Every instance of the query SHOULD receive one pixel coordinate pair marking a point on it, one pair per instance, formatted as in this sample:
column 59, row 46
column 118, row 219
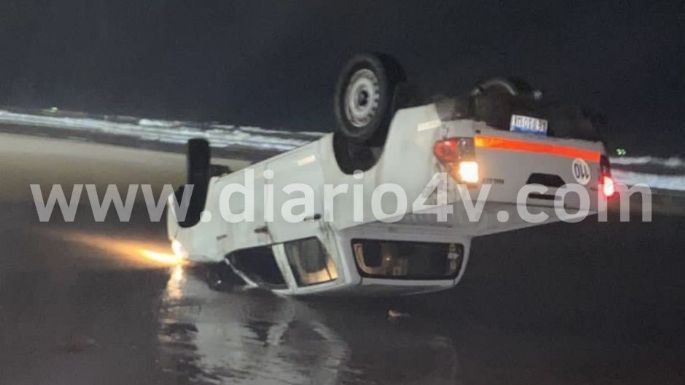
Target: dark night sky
column 274, row 63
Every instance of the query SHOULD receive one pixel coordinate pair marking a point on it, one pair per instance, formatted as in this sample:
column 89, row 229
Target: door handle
column 314, row 217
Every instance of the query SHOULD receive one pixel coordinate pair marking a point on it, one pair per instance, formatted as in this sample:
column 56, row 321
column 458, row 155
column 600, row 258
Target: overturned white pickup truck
column 389, row 203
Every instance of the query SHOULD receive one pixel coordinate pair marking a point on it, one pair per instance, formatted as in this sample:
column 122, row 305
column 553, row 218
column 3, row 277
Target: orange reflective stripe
column 497, row 143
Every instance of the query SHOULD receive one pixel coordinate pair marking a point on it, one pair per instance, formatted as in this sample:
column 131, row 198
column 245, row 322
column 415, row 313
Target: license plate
column 527, row 124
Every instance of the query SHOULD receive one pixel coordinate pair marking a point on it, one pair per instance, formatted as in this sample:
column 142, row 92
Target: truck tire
column 495, row 100
column 365, row 97
column 353, row 157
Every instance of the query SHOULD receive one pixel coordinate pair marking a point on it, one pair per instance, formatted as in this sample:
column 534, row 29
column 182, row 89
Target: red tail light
column 606, row 183
column 447, row 150
column 458, row 157
column 608, row 186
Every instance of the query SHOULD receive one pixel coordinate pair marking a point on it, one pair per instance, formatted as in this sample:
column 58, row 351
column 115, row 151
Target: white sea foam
column 672, row 162
column 666, row 182
column 222, row 136
column 170, row 131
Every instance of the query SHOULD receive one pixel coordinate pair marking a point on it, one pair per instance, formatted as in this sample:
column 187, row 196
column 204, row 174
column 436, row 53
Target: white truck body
column 506, row 161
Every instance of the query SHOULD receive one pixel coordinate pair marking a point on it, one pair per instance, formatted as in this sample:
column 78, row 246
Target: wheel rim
column 361, row 98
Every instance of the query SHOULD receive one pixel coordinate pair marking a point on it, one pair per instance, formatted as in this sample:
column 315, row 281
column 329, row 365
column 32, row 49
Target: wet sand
column 86, row 302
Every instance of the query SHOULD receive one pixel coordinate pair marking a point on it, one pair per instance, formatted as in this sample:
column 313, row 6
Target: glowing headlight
column 178, row 249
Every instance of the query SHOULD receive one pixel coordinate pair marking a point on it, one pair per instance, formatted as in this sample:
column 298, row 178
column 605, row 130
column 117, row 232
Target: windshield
column 407, row 260
column 259, row 264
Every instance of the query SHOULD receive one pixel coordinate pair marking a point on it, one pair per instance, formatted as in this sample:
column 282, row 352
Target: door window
column 311, row 264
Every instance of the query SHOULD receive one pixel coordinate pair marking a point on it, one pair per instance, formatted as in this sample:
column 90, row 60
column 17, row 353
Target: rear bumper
column 495, row 217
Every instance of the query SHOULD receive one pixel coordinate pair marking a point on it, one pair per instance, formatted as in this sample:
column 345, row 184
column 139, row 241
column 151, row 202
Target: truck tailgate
column 509, row 161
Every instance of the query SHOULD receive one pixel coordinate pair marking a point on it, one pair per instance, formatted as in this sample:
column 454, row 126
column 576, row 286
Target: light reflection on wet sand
column 254, row 337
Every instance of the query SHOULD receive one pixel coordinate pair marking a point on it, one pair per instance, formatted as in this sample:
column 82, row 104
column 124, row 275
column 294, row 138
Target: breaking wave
column 672, row 162
column 657, row 172
column 664, row 182
column 176, row 132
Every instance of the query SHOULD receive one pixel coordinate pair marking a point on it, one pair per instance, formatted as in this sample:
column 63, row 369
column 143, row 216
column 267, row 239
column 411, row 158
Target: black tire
column 575, row 122
column 365, row 97
column 495, row 100
column 511, row 86
column 198, row 173
column 353, row 157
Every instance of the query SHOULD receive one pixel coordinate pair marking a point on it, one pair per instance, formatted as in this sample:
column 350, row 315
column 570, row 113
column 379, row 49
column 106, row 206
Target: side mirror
column 198, row 173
